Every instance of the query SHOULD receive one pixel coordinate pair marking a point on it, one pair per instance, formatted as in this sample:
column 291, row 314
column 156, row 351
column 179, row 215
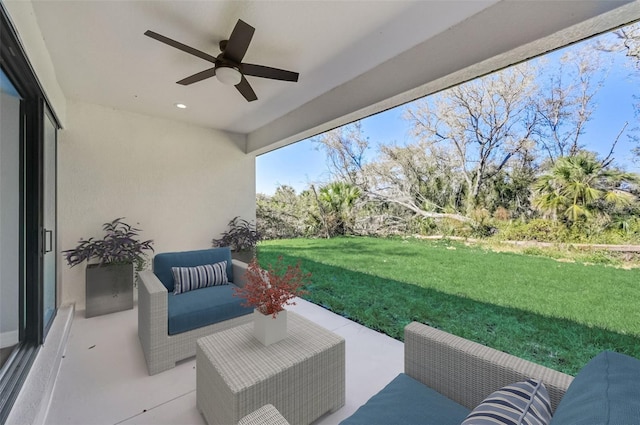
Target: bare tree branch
column 609, row 158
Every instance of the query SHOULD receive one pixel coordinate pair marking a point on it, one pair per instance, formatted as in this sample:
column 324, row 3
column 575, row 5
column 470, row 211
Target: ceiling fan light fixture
column 228, row 66
column 228, row 75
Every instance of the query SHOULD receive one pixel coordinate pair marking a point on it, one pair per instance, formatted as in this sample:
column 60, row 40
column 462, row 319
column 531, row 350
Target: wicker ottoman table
column 303, row 376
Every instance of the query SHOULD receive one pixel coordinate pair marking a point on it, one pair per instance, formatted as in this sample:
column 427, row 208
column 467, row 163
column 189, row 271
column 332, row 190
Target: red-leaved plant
column 270, row 290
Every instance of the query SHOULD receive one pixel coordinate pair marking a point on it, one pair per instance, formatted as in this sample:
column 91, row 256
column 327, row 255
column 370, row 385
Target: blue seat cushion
column 162, row 263
column 202, row 307
column 605, row 392
column 409, row 402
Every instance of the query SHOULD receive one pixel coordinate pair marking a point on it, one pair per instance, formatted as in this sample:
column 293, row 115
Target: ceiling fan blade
column 180, row 46
column 245, row 89
column 239, row 41
column 202, row 75
column 268, row 72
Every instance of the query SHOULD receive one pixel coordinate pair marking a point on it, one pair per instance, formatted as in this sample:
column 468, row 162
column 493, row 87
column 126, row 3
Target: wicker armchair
column 162, row 350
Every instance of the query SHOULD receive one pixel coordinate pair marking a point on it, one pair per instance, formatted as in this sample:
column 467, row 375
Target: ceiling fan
column 228, row 66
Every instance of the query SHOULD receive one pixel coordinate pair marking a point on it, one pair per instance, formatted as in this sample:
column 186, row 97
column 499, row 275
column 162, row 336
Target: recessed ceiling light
column 181, row 105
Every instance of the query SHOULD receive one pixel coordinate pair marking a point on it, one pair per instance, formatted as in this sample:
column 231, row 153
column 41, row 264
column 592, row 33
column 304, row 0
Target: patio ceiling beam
column 501, row 35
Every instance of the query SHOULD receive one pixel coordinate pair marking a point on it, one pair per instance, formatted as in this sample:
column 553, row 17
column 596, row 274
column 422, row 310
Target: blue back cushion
column 605, row 392
column 162, row 263
column 408, row 402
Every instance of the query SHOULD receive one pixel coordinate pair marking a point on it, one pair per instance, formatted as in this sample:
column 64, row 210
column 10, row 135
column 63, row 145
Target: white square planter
column 268, row 330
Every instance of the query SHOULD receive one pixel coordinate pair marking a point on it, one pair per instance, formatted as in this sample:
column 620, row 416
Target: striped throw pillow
column 190, row 278
column 522, row 403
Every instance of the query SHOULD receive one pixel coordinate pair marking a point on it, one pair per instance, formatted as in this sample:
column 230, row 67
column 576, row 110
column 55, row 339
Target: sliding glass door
column 49, row 221
column 10, row 218
column 27, row 216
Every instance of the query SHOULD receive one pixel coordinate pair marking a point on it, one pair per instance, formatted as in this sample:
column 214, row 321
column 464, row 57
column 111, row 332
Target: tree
column 382, row 180
column 280, row 215
column 510, row 190
column 565, row 101
column 627, row 40
column 579, row 187
column 410, row 176
column 345, row 148
column 337, row 201
column 477, row 150
column 478, row 126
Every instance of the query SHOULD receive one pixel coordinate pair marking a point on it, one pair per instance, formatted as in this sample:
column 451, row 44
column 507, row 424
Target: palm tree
column 580, row 186
column 338, row 200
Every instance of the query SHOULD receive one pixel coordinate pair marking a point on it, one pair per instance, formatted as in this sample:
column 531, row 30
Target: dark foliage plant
column 120, row 245
column 241, row 236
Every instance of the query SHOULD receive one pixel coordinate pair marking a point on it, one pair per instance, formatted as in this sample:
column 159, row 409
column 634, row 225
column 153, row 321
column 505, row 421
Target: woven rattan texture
column 266, row 415
column 303, row 376
column 161, row 350
column 466, row 371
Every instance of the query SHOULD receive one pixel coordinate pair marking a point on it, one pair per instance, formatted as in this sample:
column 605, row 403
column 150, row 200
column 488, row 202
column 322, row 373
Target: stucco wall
column 181, row 183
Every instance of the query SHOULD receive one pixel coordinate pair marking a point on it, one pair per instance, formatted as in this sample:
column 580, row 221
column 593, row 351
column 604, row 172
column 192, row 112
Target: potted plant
column 109, row 279
column 241, row 238
column 269, row 291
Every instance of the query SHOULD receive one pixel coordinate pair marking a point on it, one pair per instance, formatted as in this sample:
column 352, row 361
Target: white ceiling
column 101, row 56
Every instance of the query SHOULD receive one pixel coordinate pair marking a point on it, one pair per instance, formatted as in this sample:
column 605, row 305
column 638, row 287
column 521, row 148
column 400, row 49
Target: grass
column 553, row 313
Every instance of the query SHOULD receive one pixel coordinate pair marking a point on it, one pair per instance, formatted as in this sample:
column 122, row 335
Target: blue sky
column 300, row 164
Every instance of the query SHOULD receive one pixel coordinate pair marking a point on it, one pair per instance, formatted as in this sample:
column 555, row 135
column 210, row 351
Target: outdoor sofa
column 446, row 377
column 170, row 324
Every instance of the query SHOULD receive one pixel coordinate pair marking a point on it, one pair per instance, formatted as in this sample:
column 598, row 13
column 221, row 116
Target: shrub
column 501, row 214
column 423, row 225
column 538, row 229
column 241, row 236
column 599, row 257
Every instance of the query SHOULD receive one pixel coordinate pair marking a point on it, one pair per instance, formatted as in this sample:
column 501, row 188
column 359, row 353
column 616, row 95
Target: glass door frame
column 48, row 225
column 33, row 107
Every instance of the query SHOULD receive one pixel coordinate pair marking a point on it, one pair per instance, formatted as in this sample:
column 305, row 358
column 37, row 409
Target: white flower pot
column 268, row 330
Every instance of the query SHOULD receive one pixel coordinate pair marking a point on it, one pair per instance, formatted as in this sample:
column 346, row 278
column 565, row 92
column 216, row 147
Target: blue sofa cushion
column 187, row 279
column 203, row 307
column 162, row 263
column 605, row 392
column 409, row 402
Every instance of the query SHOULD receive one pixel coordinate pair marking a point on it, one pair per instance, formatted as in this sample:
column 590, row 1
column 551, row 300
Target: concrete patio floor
column 103, row 377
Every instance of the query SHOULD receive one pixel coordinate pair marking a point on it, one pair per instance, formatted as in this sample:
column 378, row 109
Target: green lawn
column 553, row 313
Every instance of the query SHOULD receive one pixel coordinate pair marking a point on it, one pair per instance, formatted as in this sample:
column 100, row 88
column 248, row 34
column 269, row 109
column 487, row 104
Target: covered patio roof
column 355, row 58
